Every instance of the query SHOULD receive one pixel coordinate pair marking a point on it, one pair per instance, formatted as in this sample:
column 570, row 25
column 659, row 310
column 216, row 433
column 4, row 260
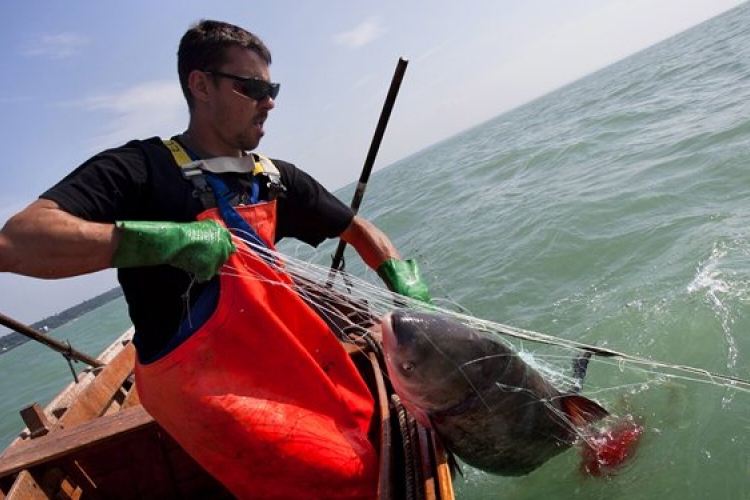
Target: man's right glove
column 402, row 276
column 200, row 248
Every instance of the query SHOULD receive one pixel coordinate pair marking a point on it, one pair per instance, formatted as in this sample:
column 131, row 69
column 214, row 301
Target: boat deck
column 95, row 440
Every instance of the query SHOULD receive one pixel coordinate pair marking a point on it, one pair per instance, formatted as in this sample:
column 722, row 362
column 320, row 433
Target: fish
column 486, row 404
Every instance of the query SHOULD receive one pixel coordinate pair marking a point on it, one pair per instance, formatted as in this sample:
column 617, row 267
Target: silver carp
column 488, row 406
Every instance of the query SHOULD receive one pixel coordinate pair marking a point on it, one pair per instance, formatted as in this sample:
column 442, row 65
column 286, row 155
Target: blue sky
column 81, row 76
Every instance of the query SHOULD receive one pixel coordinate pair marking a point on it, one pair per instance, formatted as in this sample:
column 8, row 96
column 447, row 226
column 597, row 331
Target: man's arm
column 370, row 242
column 43, row 241
column 378, row 252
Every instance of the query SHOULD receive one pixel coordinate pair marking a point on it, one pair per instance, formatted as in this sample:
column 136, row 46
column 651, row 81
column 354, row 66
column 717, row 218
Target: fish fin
column 582, row 410
column 454, row 466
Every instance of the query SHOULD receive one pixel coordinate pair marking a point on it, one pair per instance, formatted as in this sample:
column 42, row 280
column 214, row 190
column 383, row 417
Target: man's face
column 237, row 120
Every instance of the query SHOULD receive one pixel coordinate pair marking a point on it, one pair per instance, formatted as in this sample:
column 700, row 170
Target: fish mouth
column 410, row 396
column 390, row 345
column 398, row 331
column 389, row 336
column 400, row 328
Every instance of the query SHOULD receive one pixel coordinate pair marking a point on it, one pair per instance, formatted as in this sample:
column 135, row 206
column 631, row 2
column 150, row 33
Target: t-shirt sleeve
column 308, row 211
column 107, row 187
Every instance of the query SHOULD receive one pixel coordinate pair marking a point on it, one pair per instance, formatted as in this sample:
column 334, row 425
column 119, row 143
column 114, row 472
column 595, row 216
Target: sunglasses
column 253, row 87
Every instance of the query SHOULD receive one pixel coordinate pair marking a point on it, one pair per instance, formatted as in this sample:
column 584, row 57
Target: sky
column 81, row 76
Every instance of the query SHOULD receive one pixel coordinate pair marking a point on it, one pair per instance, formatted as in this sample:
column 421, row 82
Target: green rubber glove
column 200, row 248
column 402, row 276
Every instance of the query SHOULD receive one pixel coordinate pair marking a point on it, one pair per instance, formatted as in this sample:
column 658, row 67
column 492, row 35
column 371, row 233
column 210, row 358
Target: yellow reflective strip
column 264, row 164
column 179, row 153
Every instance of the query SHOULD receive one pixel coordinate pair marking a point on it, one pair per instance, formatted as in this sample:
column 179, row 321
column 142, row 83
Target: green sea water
column 613, row 212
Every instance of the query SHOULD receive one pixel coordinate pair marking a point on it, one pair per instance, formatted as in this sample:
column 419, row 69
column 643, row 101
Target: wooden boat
column 95, row 441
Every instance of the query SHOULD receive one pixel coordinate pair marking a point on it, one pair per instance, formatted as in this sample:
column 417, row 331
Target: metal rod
column 364, row 177
column 53, row 344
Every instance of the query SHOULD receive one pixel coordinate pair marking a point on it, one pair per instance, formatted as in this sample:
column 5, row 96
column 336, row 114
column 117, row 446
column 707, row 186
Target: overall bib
column 262, row 395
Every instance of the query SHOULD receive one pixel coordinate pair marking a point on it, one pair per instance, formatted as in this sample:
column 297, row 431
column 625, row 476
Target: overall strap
column 214, row 192
column 191, row 170
column 265, row 178
column 232, row 218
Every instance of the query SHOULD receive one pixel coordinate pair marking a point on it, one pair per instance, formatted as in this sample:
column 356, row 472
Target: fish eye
column 407, row 366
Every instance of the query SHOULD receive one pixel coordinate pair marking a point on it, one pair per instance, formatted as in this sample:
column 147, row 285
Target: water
column 612, row 212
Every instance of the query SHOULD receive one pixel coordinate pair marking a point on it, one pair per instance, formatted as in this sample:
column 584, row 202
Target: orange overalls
column 262, row 395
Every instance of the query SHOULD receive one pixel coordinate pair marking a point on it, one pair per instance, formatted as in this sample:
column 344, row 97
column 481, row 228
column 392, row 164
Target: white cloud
column 59, row 46
column 148, row 109
column 360, row 35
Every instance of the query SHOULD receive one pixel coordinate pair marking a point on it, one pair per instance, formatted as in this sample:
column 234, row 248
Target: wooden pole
column 364, row 177
column 53, row 344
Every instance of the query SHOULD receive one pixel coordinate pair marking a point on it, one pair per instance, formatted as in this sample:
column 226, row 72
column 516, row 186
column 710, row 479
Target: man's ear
column 199, row 85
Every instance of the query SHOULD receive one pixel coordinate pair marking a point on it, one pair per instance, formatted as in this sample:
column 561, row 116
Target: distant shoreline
column 14, row 339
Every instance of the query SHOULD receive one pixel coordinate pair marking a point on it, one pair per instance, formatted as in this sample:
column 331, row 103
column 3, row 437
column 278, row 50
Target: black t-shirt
column 141, row 181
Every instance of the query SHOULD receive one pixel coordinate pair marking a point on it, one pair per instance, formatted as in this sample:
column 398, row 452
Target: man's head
column 225, row 76
column 204, row 48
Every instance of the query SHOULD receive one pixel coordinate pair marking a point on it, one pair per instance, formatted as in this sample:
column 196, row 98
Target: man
column 244, row 375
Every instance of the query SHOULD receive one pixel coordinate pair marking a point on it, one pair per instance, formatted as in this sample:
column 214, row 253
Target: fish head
column 436, row 362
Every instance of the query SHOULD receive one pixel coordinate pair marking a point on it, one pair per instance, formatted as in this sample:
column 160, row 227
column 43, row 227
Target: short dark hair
column 202, row 48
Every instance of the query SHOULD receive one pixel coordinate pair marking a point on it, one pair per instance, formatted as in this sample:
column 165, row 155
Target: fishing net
column 627, row 385
column 355, row 305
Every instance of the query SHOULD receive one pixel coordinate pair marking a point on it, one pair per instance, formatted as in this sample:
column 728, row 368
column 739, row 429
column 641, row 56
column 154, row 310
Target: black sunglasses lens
column 259, row 90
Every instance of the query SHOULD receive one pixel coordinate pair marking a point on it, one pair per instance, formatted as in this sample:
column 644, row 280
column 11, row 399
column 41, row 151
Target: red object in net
column 607, row 449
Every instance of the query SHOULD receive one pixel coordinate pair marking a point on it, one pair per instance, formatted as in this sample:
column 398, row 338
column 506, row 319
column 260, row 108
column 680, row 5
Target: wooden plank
column 35, row 419
column 444, row 477
column 26, row 488
column 57, row 485
column 132, row 468
column 71, row 492
column 66, row 489
column 95, row 399
column 192, row 480
column 132, row 399
column 428, row 466
column 385, row 484
column 64, row 442
column 148, row 465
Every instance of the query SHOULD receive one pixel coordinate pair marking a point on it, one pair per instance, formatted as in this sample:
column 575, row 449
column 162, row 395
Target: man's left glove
column 200, row 248
column 402, row 276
